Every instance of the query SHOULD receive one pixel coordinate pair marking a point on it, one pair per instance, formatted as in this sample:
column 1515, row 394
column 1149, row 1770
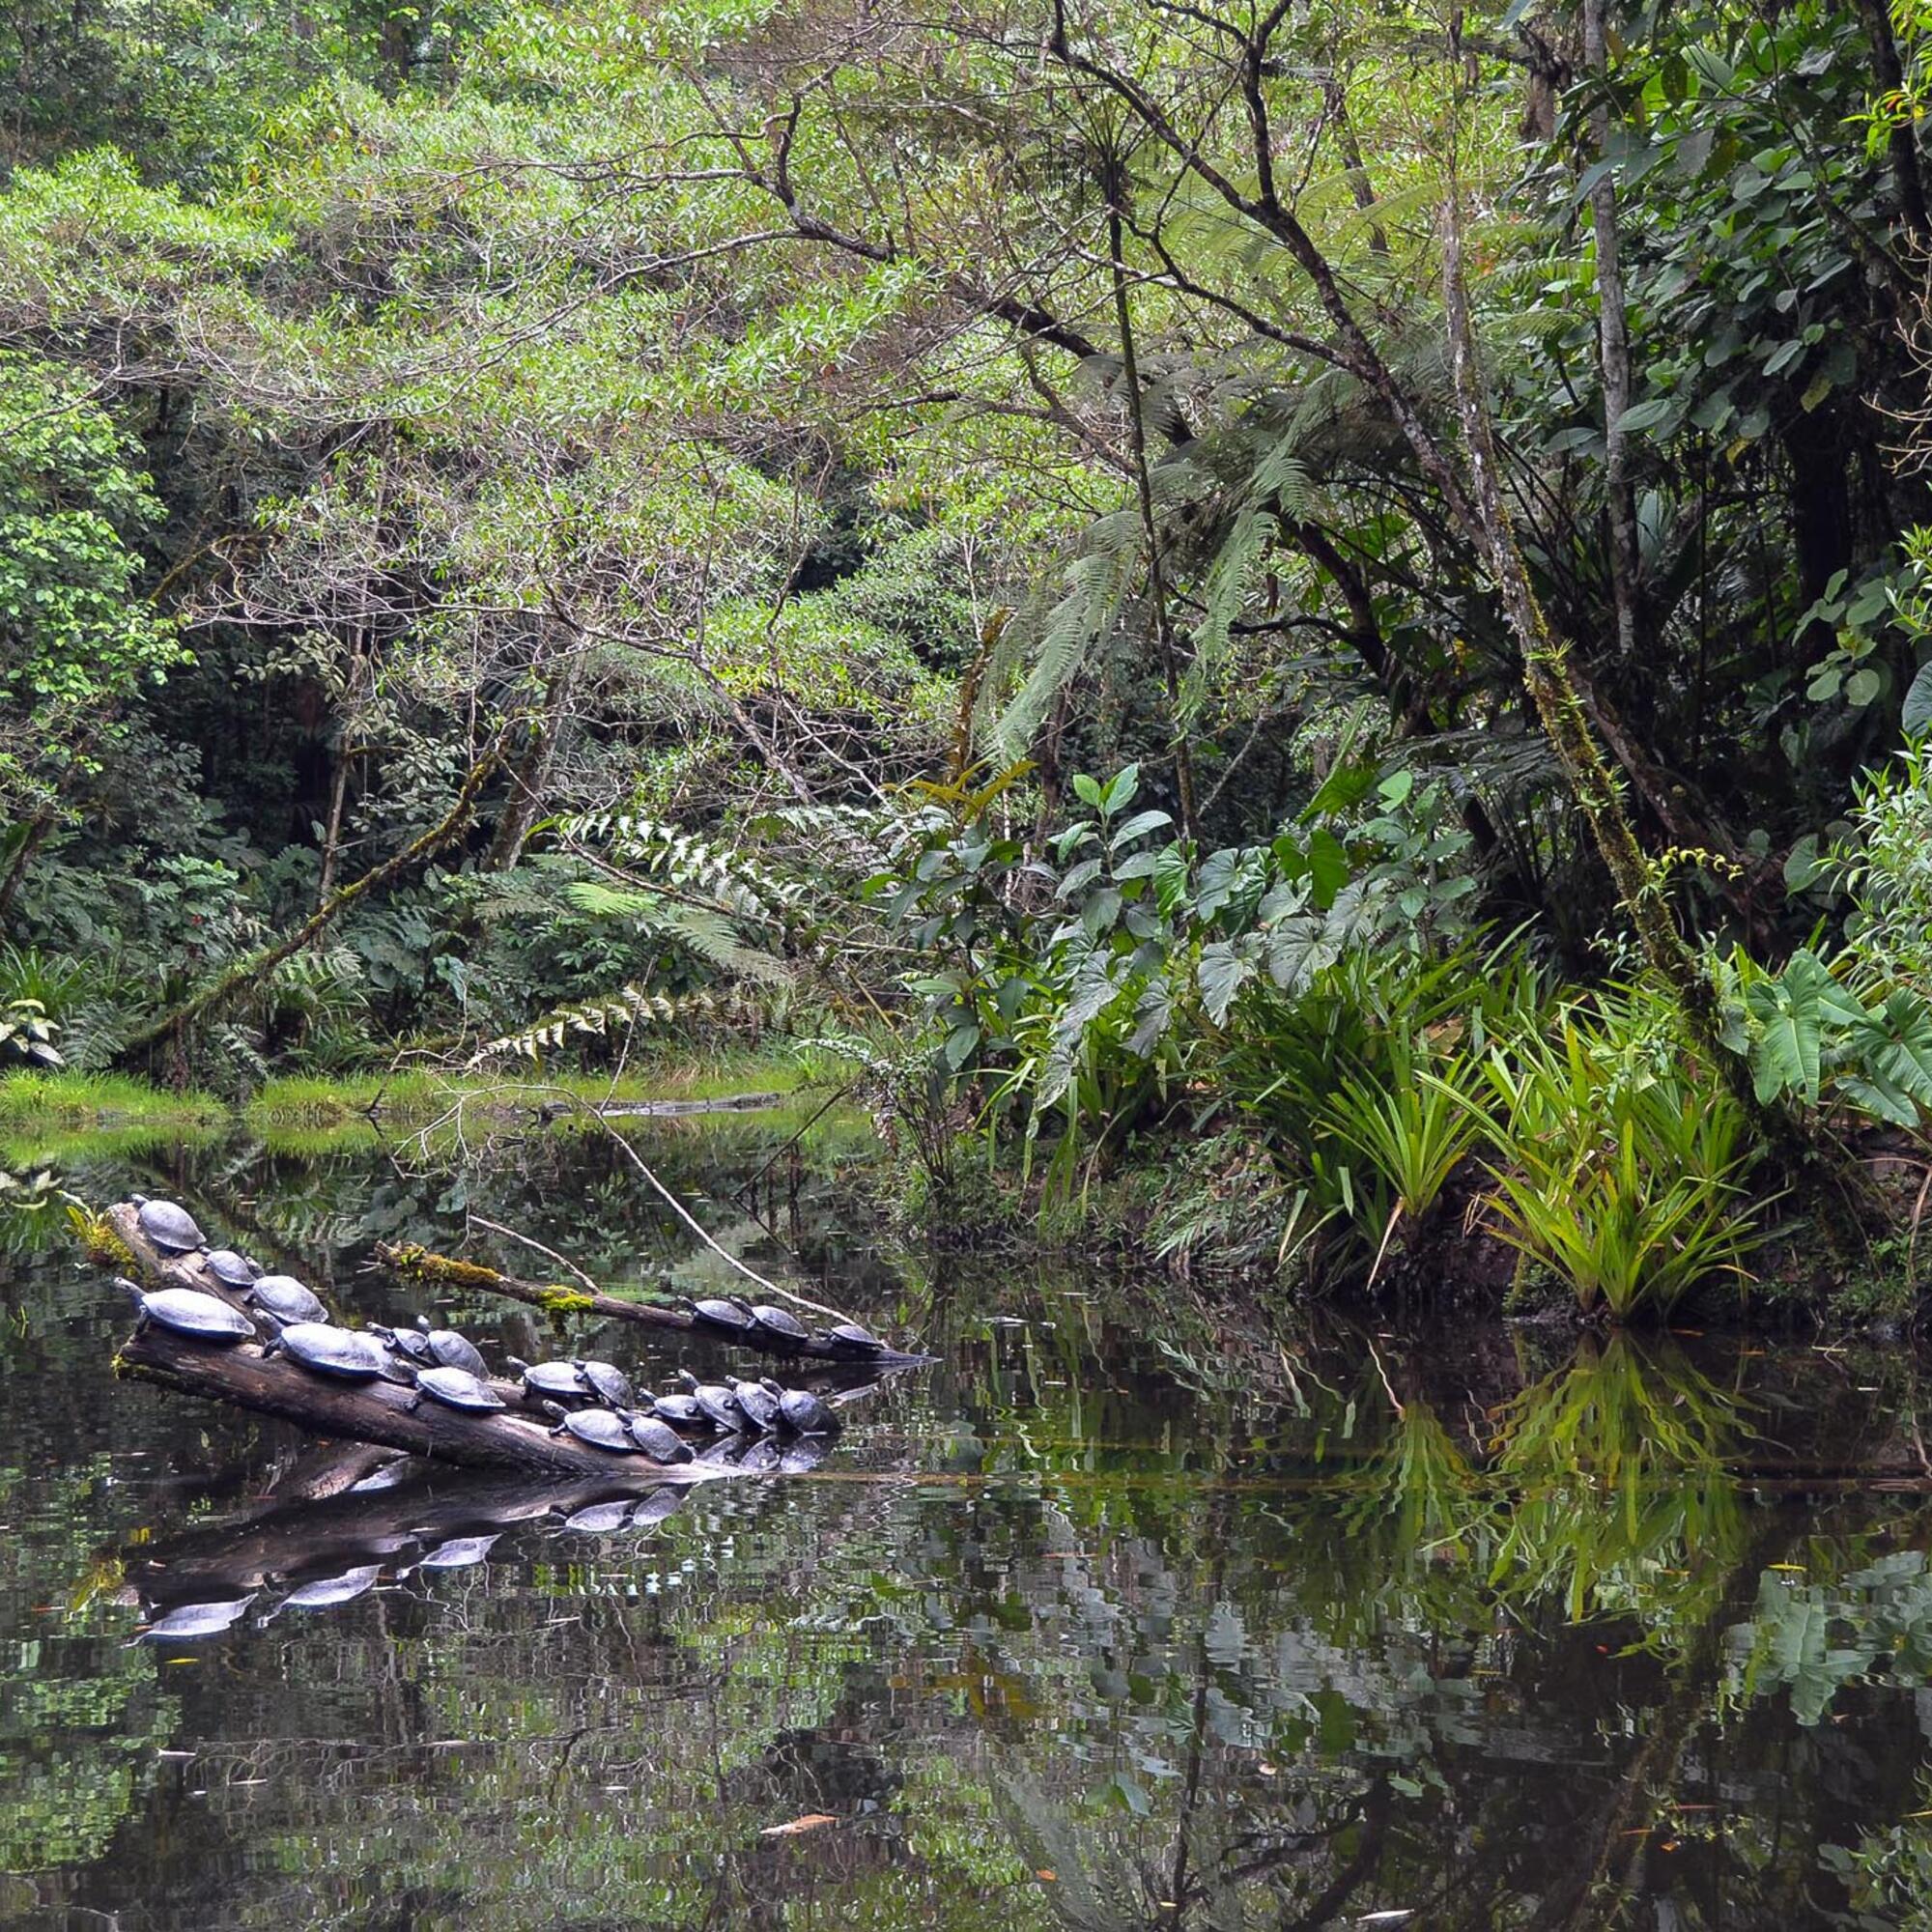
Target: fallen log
column 373, row 1412
column 442, row 1271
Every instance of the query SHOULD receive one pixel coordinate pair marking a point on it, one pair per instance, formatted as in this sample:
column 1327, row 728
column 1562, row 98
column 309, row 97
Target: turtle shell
column 554, row 1379
column 286, row 1298
column 458, row 1388
column 803, row 1414
column 782, row 1329
column 187, row 1311
column 678, row 1409
column 847, row 1338
column 607, row 1381
column 717, row 1403
column 600, row 1428
column 230, row 1270
column 759, row 1404
column 412, row 1344
column 451, row 1351
column 329, row 1350
column 761, row 1458
column 657, row 1439
column 658, row 1504
column 732, row 1317
column 168, row 1225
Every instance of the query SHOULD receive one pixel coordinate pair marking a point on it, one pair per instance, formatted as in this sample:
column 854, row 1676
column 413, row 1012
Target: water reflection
column 1105, row 1621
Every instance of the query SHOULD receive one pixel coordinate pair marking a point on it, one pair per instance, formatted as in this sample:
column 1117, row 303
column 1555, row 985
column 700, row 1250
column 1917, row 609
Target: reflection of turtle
column 459, row 1553
column 325, row 1349
column 458, row 1388
column 168, row 1225
column 325, row 1592
column 286, row 1298
column 192, row 1620
column 186, row 1310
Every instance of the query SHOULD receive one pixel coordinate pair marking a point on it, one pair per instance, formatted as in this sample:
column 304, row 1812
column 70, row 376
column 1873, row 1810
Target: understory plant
column 1618, row 1161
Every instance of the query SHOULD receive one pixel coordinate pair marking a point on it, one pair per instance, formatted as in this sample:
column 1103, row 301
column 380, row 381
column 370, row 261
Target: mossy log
column 442, row 1271
column 377, row 1413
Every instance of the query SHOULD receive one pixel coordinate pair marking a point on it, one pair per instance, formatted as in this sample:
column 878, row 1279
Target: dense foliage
column 1347, row 593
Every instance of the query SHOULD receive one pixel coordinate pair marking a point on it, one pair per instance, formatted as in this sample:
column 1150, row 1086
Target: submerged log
column 442, row 1271
column 374, row 1412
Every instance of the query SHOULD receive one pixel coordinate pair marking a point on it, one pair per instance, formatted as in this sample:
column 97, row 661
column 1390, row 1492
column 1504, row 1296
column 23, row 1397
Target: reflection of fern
column 628, row 1006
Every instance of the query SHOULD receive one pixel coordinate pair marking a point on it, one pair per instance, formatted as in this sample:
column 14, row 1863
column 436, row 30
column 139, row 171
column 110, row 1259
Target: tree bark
column 1613, row 349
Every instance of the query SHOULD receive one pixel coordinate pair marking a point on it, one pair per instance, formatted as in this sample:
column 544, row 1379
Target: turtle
column 759, row 1404
column 286, row 1298
column 760, row 1458
column 168, row 1225
column 327, row 1591
column 847, row 1338
column 192, row 1620
column 606, row 1380
column 186, row 1310
column 599, row 1428
column 716, row 1401
column 782, row 1330
column 658, row 1441
column 679, row 1408
column 556, row 1381
column 412, row 1344
column 450, row 1350
column 457, row 1388
column 803, row 1414
column 325, row 1349
column 725, row 1312
column 230, row 1270
column 459, row 1553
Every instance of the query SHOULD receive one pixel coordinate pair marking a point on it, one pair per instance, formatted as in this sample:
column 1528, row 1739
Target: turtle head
column 516, row 1365
column 686, row 1379
column 137, row 1200
column 132, row 1288
column 423, row 1323
column 770, row 1386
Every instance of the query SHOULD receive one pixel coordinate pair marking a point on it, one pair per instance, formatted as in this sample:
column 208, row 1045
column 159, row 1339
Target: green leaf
column 1644, row 415
column 1220, row 975
column 1916, row 714
column 1119, row 793
column 1087, row 790
column 1328, row 867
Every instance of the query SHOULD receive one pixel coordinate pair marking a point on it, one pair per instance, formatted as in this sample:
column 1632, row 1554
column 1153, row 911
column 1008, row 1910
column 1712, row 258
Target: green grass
column 72, row 1103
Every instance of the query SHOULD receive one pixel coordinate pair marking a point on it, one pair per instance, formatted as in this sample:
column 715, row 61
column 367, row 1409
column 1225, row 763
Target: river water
column 1111, row 1618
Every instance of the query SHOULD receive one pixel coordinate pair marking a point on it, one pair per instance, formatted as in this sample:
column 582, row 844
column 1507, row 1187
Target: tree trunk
column 1613, row 352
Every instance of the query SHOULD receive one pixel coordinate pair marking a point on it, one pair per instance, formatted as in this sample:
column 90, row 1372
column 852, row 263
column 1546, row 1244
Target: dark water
column 1107, row 1620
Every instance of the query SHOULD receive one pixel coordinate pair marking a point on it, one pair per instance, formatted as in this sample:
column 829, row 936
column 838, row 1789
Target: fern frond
column 629, row 1007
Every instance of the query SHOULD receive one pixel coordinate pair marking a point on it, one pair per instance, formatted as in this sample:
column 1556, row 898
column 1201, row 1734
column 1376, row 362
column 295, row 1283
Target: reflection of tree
column 79, row 1716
